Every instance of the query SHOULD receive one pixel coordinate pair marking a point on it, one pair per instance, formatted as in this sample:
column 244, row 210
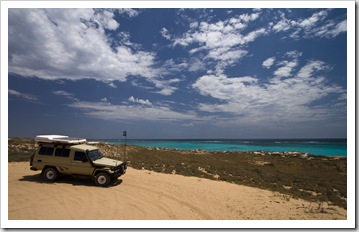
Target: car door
column 80, row 164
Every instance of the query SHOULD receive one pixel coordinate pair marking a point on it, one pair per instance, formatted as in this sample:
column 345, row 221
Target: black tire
column 50, row 174
column 102, row 179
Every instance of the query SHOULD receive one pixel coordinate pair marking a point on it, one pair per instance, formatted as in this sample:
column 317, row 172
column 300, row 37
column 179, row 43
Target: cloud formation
column 140, row 101
column 65, row 94
column 148, row 112
column 73, row 44
column 268, row 62
column 22, row 95
column 222, row 41
column 317, row 25
column 289, row 99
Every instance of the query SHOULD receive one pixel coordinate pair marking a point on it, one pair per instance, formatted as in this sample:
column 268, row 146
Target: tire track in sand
column 145, row 195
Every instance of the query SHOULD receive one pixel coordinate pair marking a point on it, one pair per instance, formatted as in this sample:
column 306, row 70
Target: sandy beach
column 143, row 194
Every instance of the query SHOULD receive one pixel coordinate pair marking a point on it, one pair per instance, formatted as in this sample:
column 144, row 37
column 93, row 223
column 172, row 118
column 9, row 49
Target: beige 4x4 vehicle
column 62, row 155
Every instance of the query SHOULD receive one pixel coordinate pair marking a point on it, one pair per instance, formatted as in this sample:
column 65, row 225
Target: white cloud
column 222, row 87
column 171, row 66
column 286, row 69
column 196, row 64
column 331, row 29
column 129, row 12
column 225, row 56
column 140, row 101
column 165, row 34
column 193, row 24
column 106, row 111
column 65, row 94
column 312, row 20
column 268, row 62
column 294, row 54
column 62, row 93
column 282, row 25
column 249, row 17
column 312, row 66
column 22, row 95
column 287, row 66
column 165, row 86
column 105, row 18
column 112, row 85
column 72, row 44
column 316, row 25
column 339, row 28
column 166, row 91
column 251, row 36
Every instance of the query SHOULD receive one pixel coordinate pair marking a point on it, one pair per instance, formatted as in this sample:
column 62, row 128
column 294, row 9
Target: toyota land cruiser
column 62, row 155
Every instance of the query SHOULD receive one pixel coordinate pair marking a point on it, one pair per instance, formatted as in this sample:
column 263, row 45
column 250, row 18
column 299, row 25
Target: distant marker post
column 125, row 134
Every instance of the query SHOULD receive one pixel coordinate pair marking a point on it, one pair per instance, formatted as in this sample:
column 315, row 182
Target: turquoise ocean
column 321, row 147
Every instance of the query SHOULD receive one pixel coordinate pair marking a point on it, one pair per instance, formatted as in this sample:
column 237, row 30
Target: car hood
column 107, row 162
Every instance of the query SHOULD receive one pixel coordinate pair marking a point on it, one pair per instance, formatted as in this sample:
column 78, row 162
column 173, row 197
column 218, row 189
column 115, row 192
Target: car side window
column 62, row 152
column 80, row 156
column 46, row 151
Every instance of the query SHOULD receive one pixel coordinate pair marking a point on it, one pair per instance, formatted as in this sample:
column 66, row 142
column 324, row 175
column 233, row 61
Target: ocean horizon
column 321, row 147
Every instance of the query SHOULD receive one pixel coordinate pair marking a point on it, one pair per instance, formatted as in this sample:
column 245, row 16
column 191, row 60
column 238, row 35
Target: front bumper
column 120, row 170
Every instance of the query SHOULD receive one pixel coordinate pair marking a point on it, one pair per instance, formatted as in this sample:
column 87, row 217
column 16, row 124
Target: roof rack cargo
column 59, row 139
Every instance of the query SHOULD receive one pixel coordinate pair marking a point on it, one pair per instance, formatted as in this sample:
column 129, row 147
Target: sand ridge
column 147, row 195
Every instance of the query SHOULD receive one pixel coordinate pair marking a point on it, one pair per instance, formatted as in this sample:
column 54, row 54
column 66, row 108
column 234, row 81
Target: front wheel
column 50, row 174
column 102, row 179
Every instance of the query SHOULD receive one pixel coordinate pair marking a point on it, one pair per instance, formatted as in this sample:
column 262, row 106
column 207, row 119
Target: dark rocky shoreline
column 298, row 175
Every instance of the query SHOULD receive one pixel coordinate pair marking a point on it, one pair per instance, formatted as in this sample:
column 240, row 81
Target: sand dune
column 141, row 194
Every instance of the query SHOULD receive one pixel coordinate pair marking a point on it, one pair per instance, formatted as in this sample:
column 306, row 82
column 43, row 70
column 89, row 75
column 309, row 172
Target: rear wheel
column 102, row 179
column 50, row 174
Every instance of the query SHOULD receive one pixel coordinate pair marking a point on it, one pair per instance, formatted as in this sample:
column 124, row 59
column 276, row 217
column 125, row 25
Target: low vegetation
column 314, row 178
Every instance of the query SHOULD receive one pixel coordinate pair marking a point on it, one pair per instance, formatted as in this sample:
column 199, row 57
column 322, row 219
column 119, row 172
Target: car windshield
column 95, row 155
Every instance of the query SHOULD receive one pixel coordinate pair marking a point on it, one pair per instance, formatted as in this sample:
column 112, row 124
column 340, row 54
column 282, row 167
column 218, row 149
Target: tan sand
column 141, row 194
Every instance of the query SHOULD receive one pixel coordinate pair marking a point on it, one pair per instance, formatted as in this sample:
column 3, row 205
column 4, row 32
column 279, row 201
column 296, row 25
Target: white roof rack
column 59, row 139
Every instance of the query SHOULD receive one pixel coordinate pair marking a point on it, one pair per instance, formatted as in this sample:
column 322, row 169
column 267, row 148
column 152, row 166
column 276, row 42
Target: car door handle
column 39, row 160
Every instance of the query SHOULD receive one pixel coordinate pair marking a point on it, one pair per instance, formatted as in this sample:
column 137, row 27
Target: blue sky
column 178, row 73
